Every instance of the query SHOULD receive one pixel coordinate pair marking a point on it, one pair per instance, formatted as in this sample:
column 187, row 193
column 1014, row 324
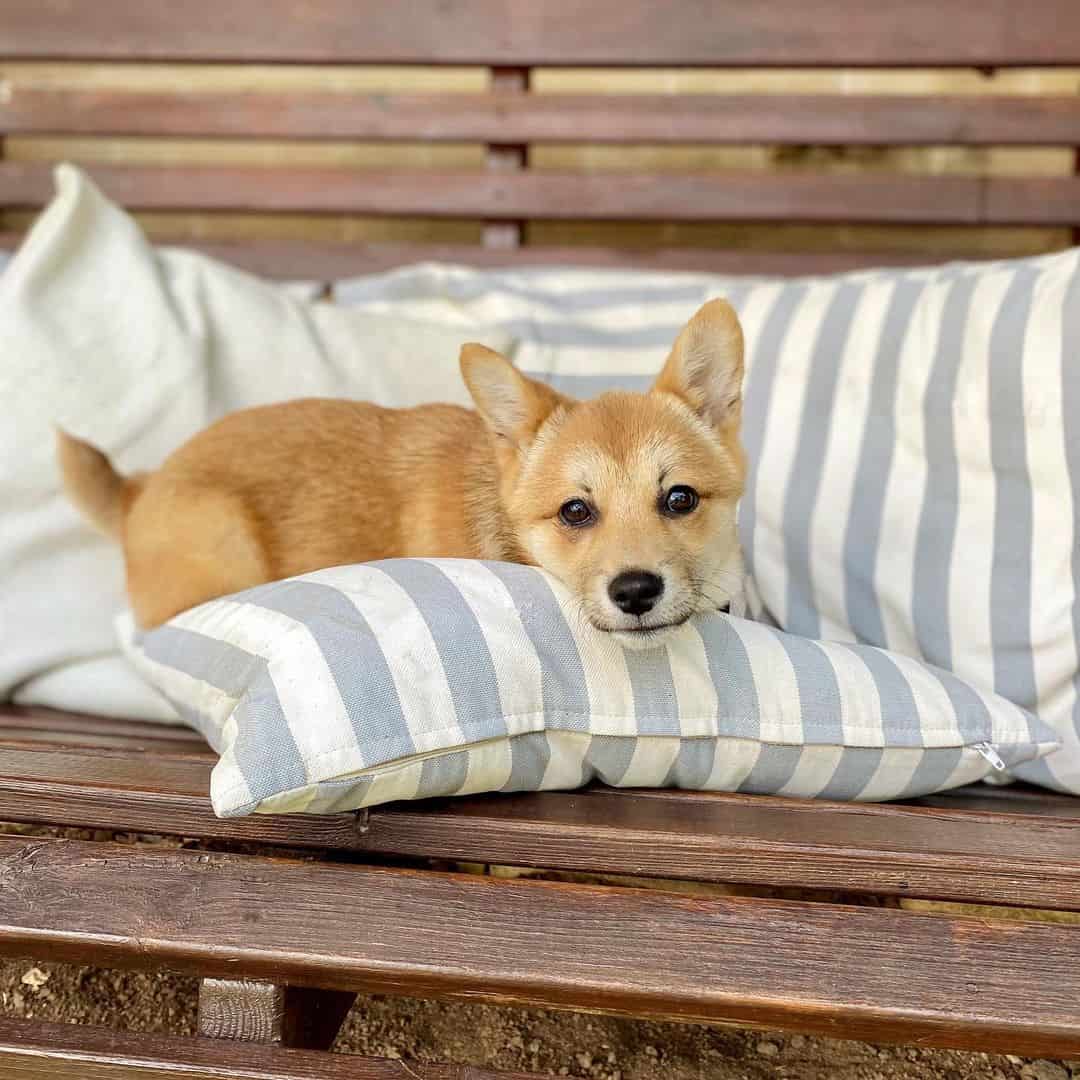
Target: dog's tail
column 92, row 484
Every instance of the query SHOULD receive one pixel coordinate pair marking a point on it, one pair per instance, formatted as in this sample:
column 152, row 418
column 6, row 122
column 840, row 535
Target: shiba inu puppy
column 629, row 498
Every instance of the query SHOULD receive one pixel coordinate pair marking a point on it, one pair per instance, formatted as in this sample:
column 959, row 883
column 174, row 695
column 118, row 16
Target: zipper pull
column 991, row 755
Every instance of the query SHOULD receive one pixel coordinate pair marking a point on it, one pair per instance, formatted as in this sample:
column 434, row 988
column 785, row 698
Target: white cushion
column 415, row 678
column 136, row 350
column 913, row 437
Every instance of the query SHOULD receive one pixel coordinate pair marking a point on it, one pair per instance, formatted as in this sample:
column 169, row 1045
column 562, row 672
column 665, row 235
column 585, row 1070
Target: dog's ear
column 705, row 367
column 513, row 405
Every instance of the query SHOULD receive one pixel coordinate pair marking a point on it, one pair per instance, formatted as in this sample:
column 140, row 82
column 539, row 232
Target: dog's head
column 629, row 499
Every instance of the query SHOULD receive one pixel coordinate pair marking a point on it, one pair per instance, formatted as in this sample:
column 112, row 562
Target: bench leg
column 262, row 1012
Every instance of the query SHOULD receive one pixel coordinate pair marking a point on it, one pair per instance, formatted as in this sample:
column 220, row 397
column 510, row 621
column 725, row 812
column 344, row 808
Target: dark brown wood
column 286, row 260
column 859, row 972
column 39, row 1051
column 249, row 1011
column 559, row 32
column 960, row 848
column 517, row 118
column 733, row 196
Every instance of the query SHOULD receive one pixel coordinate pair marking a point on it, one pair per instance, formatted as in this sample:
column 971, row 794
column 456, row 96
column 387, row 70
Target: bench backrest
column 512, row 39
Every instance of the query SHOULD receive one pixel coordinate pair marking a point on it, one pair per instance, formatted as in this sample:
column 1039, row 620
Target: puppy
column 629, row 499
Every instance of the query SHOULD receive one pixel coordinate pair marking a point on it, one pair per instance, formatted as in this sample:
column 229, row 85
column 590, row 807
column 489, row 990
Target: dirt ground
column 560, row 1044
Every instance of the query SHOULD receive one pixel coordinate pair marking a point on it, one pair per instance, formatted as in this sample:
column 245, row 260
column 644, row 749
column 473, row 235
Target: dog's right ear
column 513, row 405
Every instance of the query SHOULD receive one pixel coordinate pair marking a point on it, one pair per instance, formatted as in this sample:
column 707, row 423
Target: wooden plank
column 736, row 196
column 511, row 119
column 40, row 1051
column 332, row 262
column 930, row 852
column 558, row 32
column 855, row 972
column 730, row 196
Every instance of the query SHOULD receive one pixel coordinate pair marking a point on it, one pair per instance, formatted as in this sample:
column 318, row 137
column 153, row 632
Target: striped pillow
column 414, row 678
column 914, row 440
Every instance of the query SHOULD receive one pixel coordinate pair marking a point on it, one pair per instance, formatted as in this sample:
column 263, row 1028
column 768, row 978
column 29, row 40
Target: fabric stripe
column 589, row 386
column 820, row 704
column 564, row 688
column 692, row 765
column 608, row 757
column 937, row 519
column 853, row 773
column 808, row 463
column 933, row 773
column 760, row 379
column 1010, row 582
column 529, row 757
column 655, row 700
column 264, row 751
column 460, row 642
column 737, row 706
column 875, row 456
column 443, row 775
column 774, row 768
column 348, row 644
column 899, row 712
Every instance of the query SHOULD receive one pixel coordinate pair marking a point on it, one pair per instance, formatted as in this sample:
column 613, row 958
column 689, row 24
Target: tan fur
column 271, row 492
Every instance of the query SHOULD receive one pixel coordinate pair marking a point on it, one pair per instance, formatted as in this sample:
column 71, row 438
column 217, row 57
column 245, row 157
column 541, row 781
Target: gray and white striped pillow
column 414, row 678
column 914, row 440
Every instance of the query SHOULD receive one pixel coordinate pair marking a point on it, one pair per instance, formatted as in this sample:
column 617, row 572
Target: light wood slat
column 825, row 119
column 328, row 262
column 557, row 32
column 41, row 1051
column 860, row 972
column 732, row 196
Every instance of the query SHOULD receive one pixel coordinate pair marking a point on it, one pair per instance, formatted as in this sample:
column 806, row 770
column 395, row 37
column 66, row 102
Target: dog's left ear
column 705, row 367
column 513, row 405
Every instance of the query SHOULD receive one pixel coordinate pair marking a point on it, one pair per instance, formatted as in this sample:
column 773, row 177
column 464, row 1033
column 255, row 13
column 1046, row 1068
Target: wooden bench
column 821, row 917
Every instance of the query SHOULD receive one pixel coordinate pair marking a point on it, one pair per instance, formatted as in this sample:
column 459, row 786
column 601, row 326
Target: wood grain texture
column 243, row 1010
column 39, row 1051
column 870, row 973
column 516, row 118
column 558, row 32
column 731, row 196
column 1011, row 846
column 248, row 1011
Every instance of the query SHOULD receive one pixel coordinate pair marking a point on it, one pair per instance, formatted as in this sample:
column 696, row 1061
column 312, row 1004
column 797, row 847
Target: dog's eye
column 575, row 513
column 679, row 500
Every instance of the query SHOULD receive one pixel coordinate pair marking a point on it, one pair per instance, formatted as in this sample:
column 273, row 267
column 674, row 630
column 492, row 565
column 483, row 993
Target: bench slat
column 855, row 972
column 936, row 853
column 804, row 119
column 558, row 32
column 41, row 1051
column 731, row 196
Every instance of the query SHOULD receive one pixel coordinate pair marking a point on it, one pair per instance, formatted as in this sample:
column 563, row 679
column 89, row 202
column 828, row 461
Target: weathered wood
column 859, row 972
column 558, row 32
column 517, row 118
column 249, row 1011
column 39, row 1051
column 243, row 1010
column 983, row 854
column 733, row 196
column 285, row 260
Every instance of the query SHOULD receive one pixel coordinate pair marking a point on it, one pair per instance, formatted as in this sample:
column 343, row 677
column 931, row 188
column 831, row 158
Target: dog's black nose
column 635, row 591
